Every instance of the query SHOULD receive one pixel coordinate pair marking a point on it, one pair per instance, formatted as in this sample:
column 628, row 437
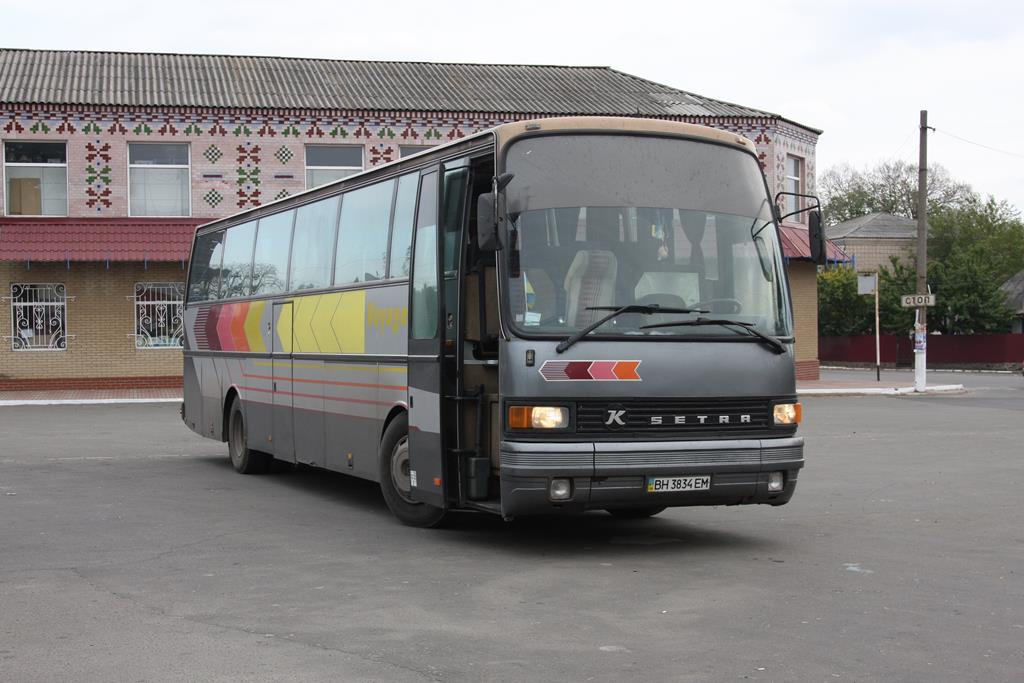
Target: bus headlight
column 538, row 417
column 787, row 413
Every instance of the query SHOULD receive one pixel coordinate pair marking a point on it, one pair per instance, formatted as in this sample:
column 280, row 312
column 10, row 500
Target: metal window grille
column 158, row 314
column 38, row 317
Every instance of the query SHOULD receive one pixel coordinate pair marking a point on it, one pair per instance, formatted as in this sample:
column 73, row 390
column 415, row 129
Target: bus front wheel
column 243, row 459
column 395, row 480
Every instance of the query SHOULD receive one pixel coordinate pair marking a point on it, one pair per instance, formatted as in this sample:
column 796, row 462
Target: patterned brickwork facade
column 240, row 159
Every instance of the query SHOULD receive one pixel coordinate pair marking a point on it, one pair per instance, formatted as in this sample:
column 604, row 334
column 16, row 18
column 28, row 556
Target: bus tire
column 636, row 513
column 243, row 459
column 394, row 478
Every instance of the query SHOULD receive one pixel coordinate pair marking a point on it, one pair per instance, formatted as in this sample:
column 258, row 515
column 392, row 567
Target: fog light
column 560, row 489
column 776, row 481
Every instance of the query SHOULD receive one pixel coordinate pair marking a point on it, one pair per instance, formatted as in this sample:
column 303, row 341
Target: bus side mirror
column 487, row 223
column 816, row 237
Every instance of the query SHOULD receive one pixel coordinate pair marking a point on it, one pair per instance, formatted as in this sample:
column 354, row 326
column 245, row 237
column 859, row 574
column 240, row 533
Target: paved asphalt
column 129, row 550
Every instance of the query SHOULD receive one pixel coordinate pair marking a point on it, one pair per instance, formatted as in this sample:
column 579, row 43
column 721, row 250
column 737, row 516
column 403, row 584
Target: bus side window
column 363, row 234
column 424, row 311
column 206, row 262
column 401, row 229
column 313, row 245
column 456, row 182
column 236, row 273
column 270, row 258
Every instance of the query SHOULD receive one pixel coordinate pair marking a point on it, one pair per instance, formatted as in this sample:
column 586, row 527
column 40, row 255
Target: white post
column 920, row 346
column 878, row 343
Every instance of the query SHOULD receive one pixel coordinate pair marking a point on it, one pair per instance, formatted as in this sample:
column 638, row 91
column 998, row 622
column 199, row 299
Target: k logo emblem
column 615, row 417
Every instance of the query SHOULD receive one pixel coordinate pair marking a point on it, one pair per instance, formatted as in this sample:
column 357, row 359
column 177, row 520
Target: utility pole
column 921, row 325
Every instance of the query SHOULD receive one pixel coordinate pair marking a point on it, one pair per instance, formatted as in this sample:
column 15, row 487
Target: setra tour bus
column 553, row 315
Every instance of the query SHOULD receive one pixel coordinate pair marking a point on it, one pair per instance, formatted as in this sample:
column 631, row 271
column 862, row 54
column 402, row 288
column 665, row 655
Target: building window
column 327, row 163
column 158, row 314
column 38, row 317
column 158, row 179
column 794, row 183
column 409, row 150
column 37, row 178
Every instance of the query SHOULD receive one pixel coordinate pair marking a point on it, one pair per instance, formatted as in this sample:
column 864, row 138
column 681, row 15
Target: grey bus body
column 382, row 326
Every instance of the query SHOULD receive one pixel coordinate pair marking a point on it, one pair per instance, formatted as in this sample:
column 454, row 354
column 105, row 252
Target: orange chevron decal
column 238, row 326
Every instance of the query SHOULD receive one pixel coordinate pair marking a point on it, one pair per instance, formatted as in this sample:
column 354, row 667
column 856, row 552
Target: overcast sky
column 861, row 71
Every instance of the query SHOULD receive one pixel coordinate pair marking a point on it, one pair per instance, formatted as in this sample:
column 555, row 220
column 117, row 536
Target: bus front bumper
column 606, row 475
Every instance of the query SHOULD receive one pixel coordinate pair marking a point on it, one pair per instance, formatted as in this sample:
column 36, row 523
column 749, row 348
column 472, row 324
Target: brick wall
column 803, row 282
column 101, row 318
column 869, row 254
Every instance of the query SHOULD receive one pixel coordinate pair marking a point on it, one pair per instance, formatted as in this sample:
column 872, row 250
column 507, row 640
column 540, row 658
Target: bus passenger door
column 426, row 309
column 283, row 432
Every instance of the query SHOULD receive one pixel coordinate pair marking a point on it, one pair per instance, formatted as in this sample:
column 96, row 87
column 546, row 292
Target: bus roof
column 507, row 131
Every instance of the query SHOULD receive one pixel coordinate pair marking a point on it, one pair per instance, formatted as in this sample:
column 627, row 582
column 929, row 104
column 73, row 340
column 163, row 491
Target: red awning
column 796, row 244
column 94, row 239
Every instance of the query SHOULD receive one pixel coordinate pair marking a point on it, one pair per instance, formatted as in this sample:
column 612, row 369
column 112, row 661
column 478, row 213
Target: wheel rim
column 400, row 475
column 237, row 438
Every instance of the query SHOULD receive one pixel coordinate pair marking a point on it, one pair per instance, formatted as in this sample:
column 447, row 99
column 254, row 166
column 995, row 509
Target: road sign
column 866, row 283
column 917, row 300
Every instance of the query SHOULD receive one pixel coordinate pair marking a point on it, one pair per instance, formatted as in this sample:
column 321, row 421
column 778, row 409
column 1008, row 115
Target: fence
column 980, row 350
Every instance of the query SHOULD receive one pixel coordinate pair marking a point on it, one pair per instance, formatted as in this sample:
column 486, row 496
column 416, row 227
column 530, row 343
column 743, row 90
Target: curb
column 884, row 391
column 84, row 401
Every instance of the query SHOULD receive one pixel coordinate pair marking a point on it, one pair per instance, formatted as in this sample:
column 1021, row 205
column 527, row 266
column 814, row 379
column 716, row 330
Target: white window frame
column 187, row 167
column 169, row 308
column 307, row 167
column 47, row 294
column 797, row 202
column 3, row 179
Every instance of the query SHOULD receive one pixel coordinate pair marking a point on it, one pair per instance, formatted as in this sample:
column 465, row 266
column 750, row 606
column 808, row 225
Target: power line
column 904, row 143
column 978, row 144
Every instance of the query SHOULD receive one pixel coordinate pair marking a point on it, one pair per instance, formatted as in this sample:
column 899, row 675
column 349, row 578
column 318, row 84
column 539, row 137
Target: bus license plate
column 700, row 482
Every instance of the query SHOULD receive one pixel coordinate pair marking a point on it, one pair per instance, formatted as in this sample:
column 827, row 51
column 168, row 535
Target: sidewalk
column 862, row 382
column 88, row 396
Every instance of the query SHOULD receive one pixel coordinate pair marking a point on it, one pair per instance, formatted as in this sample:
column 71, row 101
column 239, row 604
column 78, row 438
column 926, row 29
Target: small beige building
column 872, row 240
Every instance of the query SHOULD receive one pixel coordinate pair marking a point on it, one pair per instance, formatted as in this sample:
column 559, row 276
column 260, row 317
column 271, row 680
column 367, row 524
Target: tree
column 841, row 311
column 992, row 230
column 889, row 187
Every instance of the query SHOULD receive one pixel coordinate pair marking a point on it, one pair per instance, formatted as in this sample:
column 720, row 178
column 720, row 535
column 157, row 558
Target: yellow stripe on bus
column 253, row 334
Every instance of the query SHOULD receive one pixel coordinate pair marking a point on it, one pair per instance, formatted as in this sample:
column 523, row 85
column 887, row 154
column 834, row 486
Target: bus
column 554, row 315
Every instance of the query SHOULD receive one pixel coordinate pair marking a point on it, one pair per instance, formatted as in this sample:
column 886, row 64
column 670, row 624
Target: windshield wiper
column 646, row 309
column 776, row 345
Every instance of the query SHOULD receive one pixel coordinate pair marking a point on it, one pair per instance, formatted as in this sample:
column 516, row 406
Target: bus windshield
column 604, row 221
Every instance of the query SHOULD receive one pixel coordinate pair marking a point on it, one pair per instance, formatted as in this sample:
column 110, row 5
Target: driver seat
column 590, row 281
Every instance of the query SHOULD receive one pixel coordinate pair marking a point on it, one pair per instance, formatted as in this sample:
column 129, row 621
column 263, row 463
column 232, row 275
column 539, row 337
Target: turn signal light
column 538, row 417
column 787, row 413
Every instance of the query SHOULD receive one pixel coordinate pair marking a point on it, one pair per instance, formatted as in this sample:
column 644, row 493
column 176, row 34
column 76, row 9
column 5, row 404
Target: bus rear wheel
column 395, row 480
column 635, row 513
column 243, row 459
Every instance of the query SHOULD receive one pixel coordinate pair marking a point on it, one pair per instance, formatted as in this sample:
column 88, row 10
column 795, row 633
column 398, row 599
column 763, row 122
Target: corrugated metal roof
column 222, row 81
column 796, row 244
column 875, row 226
column 85, row 239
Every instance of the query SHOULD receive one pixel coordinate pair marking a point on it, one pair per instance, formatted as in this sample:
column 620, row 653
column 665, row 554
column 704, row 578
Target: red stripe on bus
column 326, row 398
column 364, row 385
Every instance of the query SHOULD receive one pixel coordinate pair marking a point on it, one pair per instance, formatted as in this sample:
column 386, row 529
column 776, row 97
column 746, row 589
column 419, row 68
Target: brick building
column 112, row 159
column 872, row 240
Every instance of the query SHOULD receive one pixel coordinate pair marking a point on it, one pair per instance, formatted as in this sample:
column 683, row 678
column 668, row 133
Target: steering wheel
column 724, row 305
